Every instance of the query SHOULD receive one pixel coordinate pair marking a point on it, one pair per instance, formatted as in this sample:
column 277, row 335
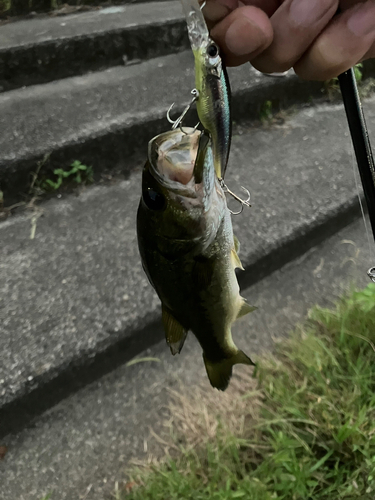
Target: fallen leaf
column 129, row 486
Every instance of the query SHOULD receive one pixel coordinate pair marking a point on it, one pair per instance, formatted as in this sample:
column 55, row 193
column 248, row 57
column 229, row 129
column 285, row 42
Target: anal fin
column 175, row 334
column 245, row 309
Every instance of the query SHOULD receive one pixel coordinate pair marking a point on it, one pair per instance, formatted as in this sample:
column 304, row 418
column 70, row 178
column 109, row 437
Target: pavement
column 81, row 447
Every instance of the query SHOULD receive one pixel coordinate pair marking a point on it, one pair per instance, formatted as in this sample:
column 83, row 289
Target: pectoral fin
column 202, row 273
column 236, row 244
column 175, row 333
column 245, row 309
column 221, row 373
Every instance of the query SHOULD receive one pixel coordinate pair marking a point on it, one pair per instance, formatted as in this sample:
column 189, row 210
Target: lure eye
column 153, row 199
column 212, row 50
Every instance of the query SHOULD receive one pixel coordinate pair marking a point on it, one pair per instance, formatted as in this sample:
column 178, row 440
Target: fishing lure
column 212, row 86
column 211, row 95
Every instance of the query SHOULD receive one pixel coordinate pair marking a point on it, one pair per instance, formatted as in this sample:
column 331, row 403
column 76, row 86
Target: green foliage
column 266, row 113
column 4, row 5
column 314, row 438
column 358, row 72
column 332, row 86
column 78, row 174
column 47, row 497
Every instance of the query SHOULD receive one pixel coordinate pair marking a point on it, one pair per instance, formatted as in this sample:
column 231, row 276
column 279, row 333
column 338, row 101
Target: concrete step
column 45, row 49
column 75, row 302
column 82, row 446
column 106, row 119
column 18, row 9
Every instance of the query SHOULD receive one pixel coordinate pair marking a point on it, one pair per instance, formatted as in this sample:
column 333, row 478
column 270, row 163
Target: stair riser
column 119, row 148
column 56, row 59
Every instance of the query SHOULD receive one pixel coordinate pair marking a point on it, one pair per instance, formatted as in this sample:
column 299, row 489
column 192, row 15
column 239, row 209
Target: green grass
column 332, row 86
column 306, row 432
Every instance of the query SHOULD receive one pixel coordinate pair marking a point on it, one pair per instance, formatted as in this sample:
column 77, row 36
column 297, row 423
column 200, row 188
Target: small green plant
column 266, row 113
column 47, row 497
column 4, row 6
column 78, row 173
column 358, row 72
column 332, row 86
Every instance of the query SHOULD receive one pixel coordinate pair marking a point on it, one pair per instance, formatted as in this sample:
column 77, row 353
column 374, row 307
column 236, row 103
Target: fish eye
column 212, row 50
column 153, row 199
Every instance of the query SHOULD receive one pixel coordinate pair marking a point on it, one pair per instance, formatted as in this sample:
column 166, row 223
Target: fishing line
column 355, row 175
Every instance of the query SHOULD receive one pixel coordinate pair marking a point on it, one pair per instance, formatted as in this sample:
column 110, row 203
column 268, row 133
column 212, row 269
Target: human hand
column 276, row 35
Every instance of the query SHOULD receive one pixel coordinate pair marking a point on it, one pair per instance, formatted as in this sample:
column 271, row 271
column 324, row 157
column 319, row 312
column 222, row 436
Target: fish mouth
column 173, row 155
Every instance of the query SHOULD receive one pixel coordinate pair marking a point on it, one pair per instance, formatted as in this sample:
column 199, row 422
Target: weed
column 358, row 72
column 47, row 497
column 78, row 173
column 307, row 432
column 332, row 86
column 266, row 114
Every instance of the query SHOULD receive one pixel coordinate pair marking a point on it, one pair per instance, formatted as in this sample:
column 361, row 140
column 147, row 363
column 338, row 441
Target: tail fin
column 220, row 373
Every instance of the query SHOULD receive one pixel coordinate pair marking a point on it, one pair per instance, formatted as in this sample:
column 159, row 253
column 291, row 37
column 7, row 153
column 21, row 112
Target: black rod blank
column 360, row 139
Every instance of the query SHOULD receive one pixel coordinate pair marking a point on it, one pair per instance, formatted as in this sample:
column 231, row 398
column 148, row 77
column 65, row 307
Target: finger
column 243, row 34
column 215, row 10
column 295, row 26
column 348, row 39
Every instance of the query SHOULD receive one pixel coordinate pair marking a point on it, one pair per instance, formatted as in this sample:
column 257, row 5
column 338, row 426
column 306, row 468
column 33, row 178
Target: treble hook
column 371, row 274
column 177, row 123
column 240, row 200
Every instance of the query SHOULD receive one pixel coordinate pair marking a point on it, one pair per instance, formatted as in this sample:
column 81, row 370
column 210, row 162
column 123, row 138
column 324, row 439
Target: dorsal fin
column 175, row 334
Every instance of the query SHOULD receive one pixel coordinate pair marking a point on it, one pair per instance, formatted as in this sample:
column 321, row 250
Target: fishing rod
column 361, row 144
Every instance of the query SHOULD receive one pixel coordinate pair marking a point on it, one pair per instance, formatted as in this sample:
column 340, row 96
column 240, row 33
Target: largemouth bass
column 188, row 250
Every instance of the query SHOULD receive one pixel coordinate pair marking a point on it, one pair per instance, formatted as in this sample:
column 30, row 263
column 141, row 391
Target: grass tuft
column 304, row 429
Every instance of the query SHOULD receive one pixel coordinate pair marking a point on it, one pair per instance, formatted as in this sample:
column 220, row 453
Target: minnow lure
column 212, row 84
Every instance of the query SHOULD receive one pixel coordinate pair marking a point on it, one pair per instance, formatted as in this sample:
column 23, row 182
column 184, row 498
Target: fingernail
column 306, row 12
column 238, row 38
column 362, row 21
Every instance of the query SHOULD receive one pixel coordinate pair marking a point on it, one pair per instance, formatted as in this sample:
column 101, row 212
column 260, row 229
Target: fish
column 212, row 83
column 188, row 250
